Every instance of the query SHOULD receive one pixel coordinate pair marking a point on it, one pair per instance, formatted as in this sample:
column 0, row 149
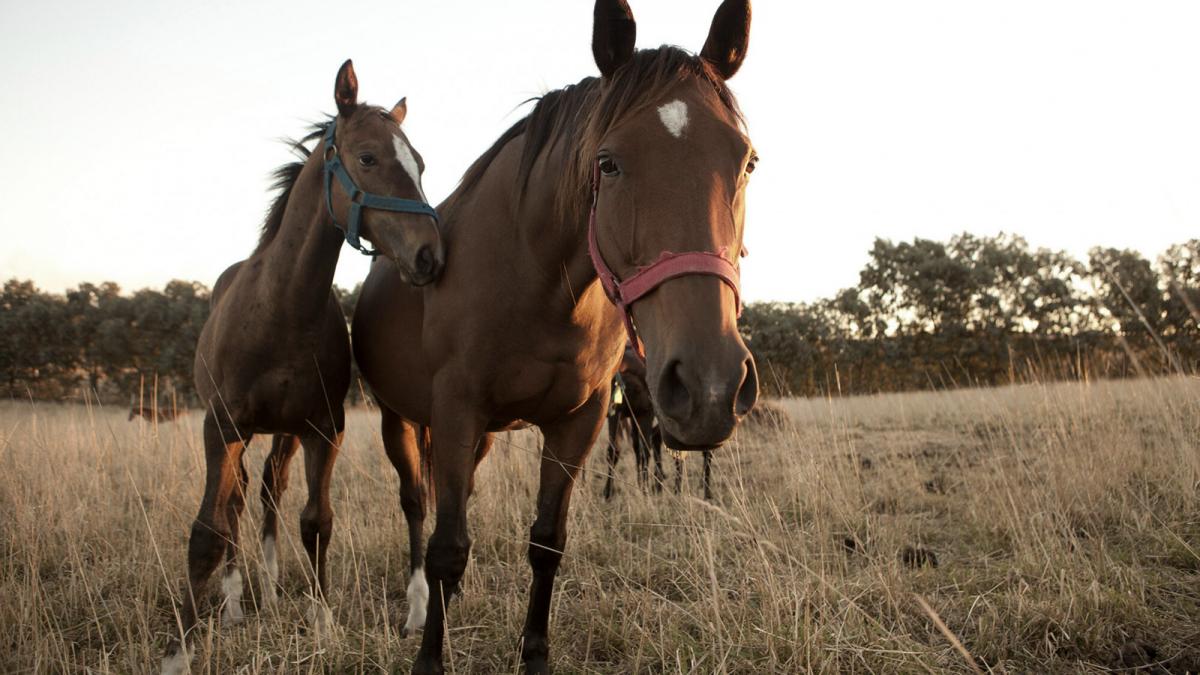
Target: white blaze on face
column 674, row 116
column 409, row 161
column 418, row 599
column 231, row 584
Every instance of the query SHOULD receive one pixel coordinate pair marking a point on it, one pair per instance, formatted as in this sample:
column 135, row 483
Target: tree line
column 925, row 314
column 983, row 311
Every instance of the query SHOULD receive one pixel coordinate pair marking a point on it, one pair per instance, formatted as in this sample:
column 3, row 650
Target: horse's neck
column 558, row 248
column 299, row 262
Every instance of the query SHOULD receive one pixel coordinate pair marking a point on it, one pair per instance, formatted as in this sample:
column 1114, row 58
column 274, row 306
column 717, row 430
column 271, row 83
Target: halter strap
column 667, row 266
column 360, row 199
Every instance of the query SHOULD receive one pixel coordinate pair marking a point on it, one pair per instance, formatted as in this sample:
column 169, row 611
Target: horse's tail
column 424, row 443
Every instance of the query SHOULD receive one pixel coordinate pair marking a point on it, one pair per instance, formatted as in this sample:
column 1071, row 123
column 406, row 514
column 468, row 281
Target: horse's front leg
column 566, row 449
column 457, row 433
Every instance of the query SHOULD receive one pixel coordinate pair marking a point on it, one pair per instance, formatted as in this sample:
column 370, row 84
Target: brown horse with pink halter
column 629, row 186
column 668, row 266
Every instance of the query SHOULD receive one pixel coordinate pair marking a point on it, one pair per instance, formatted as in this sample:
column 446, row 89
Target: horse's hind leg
column 211, row 530
column 316, row 520
column 614, row 453
column 404, row 450
column 656, row 443
column 641, row 454
column 275, row 480
column 708, row 495
column 678, row 473
column 231, row 582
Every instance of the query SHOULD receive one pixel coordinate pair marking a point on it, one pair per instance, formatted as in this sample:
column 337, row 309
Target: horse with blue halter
column 274, row 355
column 613, row 211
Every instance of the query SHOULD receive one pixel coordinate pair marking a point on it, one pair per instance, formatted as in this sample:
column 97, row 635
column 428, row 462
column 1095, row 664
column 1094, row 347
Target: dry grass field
column 1047, row 528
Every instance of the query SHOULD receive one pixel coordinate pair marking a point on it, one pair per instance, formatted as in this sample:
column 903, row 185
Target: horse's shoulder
column 224, row 282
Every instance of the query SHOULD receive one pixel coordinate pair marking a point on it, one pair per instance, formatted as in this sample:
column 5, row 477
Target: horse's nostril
column 673, row 397
column 747, row 393
column 425, row 262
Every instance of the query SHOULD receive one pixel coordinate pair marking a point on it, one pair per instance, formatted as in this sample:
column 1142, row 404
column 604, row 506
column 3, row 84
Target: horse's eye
column 752, row 164
column 366, row 159
column 608, row 167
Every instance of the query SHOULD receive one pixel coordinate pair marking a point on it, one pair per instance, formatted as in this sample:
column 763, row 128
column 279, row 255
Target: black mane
column 284, row 178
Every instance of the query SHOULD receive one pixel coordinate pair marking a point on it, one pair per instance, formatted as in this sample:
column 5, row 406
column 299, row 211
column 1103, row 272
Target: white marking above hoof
column 231, row 585
column 178, row 662
column 418, row 600
column 319, row 617
column 269, row 577
column 674, row 116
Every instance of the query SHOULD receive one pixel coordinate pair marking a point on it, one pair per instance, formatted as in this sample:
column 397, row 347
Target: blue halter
column 360, row 199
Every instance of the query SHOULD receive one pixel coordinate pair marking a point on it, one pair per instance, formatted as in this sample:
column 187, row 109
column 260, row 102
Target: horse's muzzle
column 700, row 401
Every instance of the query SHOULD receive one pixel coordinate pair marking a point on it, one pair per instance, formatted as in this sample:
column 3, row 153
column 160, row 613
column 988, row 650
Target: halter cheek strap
column 667, row 266
column 360, row 199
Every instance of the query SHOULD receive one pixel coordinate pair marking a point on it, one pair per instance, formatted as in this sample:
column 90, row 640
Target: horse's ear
column 728, row 37
column 400, row 110
column 613, row 34
column 345, row 90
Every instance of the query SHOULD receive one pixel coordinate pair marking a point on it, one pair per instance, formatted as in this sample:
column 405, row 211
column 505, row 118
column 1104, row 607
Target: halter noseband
column 360, row 199
column 668, row 266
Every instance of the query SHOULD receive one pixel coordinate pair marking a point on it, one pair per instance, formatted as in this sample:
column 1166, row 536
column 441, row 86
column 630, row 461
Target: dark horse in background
column 274, row 355
column 632, row 417
column 596, row 188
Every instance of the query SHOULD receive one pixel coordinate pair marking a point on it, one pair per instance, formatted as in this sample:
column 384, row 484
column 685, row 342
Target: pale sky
column 140, row 134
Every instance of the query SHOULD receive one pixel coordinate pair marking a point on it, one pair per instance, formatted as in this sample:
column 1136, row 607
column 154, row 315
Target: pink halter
column 668, row 266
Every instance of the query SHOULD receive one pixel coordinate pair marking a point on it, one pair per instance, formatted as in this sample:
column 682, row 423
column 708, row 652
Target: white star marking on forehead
column 674, row 116
column 409, row 162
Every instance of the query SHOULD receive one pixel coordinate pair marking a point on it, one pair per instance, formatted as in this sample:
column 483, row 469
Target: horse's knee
column 316, row 525
column 237, row 503
column 206, row 546
column 447, row 560
column 546, row 544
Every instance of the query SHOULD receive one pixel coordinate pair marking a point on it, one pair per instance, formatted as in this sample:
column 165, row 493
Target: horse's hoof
column 232, row 614
column 231, row 585
column 536, row 655
column 177, row 661
column 269, row 593
column 319, row 617
column 423, row 666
